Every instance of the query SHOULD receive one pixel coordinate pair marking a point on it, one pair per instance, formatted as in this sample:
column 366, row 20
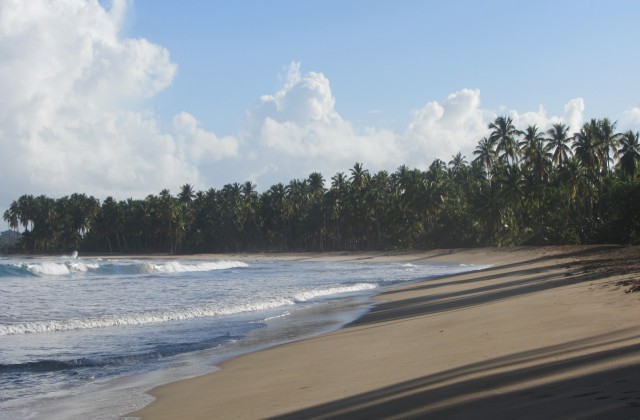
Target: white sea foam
column 337, row 290
column 49, row 268
column 140, row 318
column 179, row 267
column 83, row 267
column 282, row 315
column 61, row 269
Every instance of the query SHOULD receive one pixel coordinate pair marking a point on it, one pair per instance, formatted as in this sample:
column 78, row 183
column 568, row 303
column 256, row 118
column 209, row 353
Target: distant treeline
column 520, row 187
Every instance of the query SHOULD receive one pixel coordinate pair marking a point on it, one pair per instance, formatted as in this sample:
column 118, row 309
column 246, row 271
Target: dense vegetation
column 521, row 187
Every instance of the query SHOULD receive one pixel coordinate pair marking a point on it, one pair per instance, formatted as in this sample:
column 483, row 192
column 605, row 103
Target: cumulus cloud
column 440, row 130
column 572, row 117
column 631, row 119
column 573, row 114
column 196, row 144
column 73, row 116
column 298, row 130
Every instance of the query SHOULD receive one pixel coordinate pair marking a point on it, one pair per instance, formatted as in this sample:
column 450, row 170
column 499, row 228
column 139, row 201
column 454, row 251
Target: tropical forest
column 520, row 187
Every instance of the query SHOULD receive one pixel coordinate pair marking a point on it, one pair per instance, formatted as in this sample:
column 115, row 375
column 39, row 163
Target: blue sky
column 390, row 57
column 127, row 97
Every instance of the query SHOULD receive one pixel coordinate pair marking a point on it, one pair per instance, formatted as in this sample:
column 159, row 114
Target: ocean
column 87, row 337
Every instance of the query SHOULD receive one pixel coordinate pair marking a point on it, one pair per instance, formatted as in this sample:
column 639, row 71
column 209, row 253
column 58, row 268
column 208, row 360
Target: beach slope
column 544, row 332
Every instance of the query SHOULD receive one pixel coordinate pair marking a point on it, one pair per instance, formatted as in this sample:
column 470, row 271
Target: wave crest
column 139, row 318
column 51, row 268
column 180, row 267
column 337, row 290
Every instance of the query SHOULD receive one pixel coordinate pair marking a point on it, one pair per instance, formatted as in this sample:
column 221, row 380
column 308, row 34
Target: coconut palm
column 316, row 211
column 167, row 211
column 186, row 194
column 536, row 157
column 608, row 140
column 486, row 155
column 11, row 216
column 503, row 136
column 629, row 154
column 457, row 166
column 587, row 149
column 316, row 183
column 558, row 143
column 359, row 177
column 277, row 211
column 512, row 186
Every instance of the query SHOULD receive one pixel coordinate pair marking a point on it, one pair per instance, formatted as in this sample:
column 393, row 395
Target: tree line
column 521, row 187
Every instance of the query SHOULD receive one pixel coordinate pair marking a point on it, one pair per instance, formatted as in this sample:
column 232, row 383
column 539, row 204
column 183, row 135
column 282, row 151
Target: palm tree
column 503, row 136
column 316, row 212
column 580, row 192
column 168, row 212
column 338, row 206
column 276, row 210
column 586, row 148
column 457, row 166
column 381, row 199
column 26, row 211
column 360, row 214
column 186, row 194
column 359, row 177
column 339, row 181
column 558, row 142
column 536, row 157
column 298, row 194
column 512, row 195
column 486, row 155
column 316, row 183
column 608, row 140
column 234, row 213
column 629, row 154
column 436, row 185
column 11, row 216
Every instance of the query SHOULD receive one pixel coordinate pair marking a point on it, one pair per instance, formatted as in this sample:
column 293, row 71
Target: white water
column 70, row 327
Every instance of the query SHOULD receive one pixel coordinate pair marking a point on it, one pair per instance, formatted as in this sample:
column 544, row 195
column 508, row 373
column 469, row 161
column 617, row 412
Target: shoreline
column 544, row 327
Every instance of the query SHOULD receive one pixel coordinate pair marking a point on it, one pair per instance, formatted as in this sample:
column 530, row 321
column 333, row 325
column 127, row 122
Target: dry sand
column 544, row 333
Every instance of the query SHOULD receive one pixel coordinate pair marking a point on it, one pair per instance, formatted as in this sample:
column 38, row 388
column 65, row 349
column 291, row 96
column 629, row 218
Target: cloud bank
column 73, row 116
column 76, row 116
column 297, row 129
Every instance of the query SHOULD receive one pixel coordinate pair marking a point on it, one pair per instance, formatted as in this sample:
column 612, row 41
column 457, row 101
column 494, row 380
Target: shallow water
column 87, row 337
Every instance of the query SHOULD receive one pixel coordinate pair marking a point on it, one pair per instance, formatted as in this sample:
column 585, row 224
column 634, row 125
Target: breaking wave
column 150, row 317
column 51, row 268
column 337, row 290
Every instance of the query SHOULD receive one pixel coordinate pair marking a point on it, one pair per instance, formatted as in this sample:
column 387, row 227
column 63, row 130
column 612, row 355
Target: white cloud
column 297, row 130
column 573, row 114
column 573, row 117
column 440, row 130
column 73, row 116
column 630, row 120
column 302, row 99
column 196, row 144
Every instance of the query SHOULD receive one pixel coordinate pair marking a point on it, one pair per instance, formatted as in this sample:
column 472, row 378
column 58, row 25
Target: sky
column 125, row 98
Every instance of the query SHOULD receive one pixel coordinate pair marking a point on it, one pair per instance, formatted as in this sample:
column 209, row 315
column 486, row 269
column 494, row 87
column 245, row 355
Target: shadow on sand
column 597, row 377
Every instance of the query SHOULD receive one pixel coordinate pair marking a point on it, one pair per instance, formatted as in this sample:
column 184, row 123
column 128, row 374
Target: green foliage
column 521, row 188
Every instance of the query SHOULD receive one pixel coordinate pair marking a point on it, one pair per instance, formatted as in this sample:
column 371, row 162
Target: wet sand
column 544, row 332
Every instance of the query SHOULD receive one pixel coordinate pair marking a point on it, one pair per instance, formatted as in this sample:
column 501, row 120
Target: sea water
column 87, row 337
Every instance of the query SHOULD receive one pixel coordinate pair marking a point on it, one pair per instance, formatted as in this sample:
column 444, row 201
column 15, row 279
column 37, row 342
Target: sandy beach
column 545, row 332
